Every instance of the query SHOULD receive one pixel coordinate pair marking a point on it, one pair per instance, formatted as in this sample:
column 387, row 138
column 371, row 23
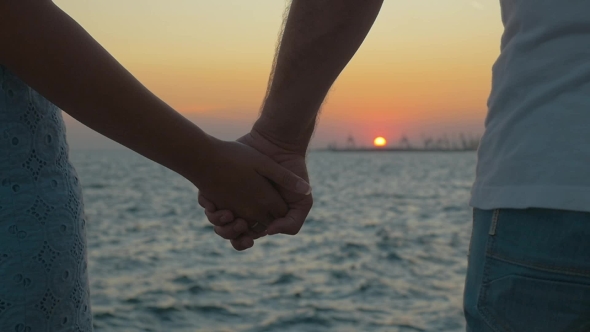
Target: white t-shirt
column 535, row 151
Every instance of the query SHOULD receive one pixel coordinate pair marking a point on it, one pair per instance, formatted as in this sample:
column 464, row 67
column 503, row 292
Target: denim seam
column 485, row 313
column 488, row 316
column 471, row 238
column 568, row 271
column 494, row 222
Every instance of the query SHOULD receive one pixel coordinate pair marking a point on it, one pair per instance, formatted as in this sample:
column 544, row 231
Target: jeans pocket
column 516, row 303
column 546, row 240
column 536, row 275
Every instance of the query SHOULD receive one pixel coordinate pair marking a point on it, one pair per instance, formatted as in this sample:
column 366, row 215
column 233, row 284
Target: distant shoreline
column 393, row 150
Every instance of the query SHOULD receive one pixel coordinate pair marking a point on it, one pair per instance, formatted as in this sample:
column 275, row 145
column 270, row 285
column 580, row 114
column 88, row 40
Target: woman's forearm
column 59, row 59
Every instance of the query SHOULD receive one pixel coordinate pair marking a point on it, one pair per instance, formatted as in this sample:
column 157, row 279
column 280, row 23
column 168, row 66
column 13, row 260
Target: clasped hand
column 256, row 188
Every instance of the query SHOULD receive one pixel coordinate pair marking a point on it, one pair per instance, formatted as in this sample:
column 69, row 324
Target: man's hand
column 237, row 182
column 298, row 204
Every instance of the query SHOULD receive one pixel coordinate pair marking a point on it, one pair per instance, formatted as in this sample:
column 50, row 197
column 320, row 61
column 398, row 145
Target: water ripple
column 384, row 249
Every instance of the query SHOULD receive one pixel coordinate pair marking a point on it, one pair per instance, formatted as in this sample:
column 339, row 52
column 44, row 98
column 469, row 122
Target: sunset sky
column 425, row 67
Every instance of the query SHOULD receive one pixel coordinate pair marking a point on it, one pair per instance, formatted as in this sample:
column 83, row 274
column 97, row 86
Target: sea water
column 383, row 249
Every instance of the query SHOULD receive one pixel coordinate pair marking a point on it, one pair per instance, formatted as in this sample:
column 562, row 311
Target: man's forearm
column 54, row 55
column 319, row 39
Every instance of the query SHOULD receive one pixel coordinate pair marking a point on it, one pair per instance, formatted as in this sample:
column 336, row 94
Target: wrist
column 197, row 163
column 287, row 135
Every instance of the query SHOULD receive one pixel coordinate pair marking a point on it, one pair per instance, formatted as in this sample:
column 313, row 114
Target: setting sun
column 380, row 141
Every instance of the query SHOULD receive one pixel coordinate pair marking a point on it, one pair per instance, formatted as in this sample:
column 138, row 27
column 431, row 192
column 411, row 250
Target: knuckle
column 223, row 233
column 291, row 231
column 227, row 236
column 236, row 245
column 213, row 221
column 294, row 226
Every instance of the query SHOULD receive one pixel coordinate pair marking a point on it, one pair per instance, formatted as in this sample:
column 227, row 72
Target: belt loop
column 494, row 222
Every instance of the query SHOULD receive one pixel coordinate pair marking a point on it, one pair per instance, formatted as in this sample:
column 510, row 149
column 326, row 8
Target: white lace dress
column 43, row 264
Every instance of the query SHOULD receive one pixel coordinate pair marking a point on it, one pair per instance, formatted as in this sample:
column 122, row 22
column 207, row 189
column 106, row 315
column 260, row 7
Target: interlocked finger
column 220, row 218
column 232, row 230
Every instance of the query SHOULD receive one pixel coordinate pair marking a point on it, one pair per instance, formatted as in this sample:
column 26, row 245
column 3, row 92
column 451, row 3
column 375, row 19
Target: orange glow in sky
column 424, row 68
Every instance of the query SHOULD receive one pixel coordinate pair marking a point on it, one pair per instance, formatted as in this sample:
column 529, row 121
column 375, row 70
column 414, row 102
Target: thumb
column 205, row 203
column 284, row 177
column 290, row 224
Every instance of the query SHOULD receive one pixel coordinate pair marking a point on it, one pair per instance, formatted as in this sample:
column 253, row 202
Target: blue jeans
column 529, row 271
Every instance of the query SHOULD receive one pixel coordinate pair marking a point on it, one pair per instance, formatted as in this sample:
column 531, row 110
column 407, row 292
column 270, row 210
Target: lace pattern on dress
column 43, row 258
